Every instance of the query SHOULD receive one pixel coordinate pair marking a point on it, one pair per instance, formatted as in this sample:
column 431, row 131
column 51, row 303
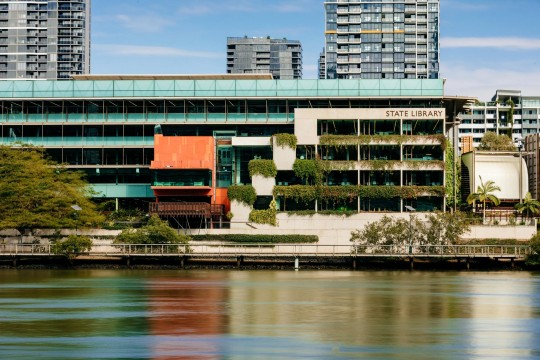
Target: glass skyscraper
column 382, row 39
column 44, row 39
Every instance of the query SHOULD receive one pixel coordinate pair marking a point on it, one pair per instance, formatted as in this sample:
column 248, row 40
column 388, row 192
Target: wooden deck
column 187, row 209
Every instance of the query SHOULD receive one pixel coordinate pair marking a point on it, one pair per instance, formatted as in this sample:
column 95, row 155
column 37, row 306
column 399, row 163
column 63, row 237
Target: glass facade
column 106, row 127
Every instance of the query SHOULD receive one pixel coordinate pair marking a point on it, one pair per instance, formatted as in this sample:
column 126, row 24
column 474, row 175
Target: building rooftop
column 267, row 76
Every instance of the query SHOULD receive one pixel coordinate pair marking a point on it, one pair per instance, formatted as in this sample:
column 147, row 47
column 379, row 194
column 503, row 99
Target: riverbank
column 344, row 263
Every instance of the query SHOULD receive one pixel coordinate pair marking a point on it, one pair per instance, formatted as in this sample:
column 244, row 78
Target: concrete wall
column 240, row 213
column 284, row 157
column 263, row 185
column 336, row 230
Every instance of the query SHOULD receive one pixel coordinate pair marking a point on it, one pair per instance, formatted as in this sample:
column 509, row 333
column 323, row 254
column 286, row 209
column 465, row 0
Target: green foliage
column 229, row 215
column 299, row 193
column 265, row 168
column 452, row 170
column 493, row 142
column 340, row 141
column 534, row 258
column 484, row 193
column 308, row 193
column 259, row 239
column 267, row 216
column 72, row 246
column 306, row 170
column 245, row 194
column 529, row 206
column 286, row 140
column 38, row 193
column 437, row 229
column 156, row 231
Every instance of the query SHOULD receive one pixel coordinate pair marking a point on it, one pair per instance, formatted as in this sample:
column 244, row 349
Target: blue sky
column 485, row 44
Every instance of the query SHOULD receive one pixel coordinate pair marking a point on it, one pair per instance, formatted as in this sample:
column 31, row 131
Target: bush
column 156, row 231
column 259, row 239
column 265, row 168
column 245, row 194
column 72, row 246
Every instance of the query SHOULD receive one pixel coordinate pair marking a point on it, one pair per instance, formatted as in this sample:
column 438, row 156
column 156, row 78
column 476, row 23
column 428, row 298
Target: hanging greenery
column 298, row 193
column 266, row 168
column 286, row 140
column 308, row 193
column 341, row 141
column 267, row 216
column 245, row 194
column 305, row 170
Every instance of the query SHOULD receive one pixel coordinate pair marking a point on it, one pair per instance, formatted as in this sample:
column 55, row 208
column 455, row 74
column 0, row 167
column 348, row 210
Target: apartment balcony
column 355, row 71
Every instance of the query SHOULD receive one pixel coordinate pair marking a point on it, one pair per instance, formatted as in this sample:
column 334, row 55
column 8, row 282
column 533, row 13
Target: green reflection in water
column 91, row 314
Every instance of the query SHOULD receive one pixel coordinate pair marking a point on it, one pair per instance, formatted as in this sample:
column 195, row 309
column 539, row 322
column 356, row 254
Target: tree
column 36, row 192
column 484, row 193
column 72, row 246
column 437, row 229
column 156, row 231
column 493, row 142
column 529, row 206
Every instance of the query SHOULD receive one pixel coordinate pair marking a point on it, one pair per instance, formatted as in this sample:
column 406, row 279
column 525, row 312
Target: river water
column 140, row 314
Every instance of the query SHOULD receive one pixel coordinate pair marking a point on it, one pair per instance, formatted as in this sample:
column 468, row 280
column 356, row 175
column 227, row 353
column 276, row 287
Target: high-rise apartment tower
column 44, row 39
column 382, row 39
column 280, row 57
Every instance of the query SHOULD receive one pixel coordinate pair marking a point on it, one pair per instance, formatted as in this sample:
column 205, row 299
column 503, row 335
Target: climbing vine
column 267, row 216
column 286, row 140
column 245, row 194
column 308, row 193
column 265, row 168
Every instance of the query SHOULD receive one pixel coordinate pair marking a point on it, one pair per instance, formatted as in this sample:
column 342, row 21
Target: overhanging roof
column 174, row 77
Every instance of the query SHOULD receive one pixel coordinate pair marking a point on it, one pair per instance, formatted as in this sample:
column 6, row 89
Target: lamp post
column 411, row 210
column 77, row 208
column 519, row 143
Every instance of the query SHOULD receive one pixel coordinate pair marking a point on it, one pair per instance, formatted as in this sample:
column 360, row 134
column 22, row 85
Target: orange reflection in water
column 186, row 313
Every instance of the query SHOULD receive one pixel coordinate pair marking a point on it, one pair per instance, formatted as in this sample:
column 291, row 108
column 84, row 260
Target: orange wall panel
column 221, row 198
column 183, row 152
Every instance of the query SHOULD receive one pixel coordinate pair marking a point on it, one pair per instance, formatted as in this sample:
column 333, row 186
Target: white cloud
column 249, row 6
column 482, row 83
column 503, row 43
column 149, row 23
column 157, row 51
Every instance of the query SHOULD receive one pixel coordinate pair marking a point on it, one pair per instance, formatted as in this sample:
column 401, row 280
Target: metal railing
column 200, row 249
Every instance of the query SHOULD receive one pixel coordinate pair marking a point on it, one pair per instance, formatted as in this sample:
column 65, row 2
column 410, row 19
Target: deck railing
column 200, row 249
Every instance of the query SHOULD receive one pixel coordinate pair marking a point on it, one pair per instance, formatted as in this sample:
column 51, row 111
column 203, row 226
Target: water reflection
column 268, row 314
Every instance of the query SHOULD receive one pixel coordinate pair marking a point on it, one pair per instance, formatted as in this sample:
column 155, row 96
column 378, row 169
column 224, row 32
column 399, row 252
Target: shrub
column 245, row 194
column 72, row 246
column 258, row 239
column 265, row 168
column 156, row 231
column 267, row 216
column 286, row 140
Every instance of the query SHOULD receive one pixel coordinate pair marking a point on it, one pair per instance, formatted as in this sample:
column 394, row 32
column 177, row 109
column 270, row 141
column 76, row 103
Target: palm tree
column 484, row 193
column 529, row 206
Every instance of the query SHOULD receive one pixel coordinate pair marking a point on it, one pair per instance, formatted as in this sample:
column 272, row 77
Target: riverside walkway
column 241, row 253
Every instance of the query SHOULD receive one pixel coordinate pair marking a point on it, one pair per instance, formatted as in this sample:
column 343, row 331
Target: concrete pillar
column 128, row 261
column 239, row 261
column 296, row 264
column 411, row 263
column 354, row 263
column 14, row 261
column 468, row 261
